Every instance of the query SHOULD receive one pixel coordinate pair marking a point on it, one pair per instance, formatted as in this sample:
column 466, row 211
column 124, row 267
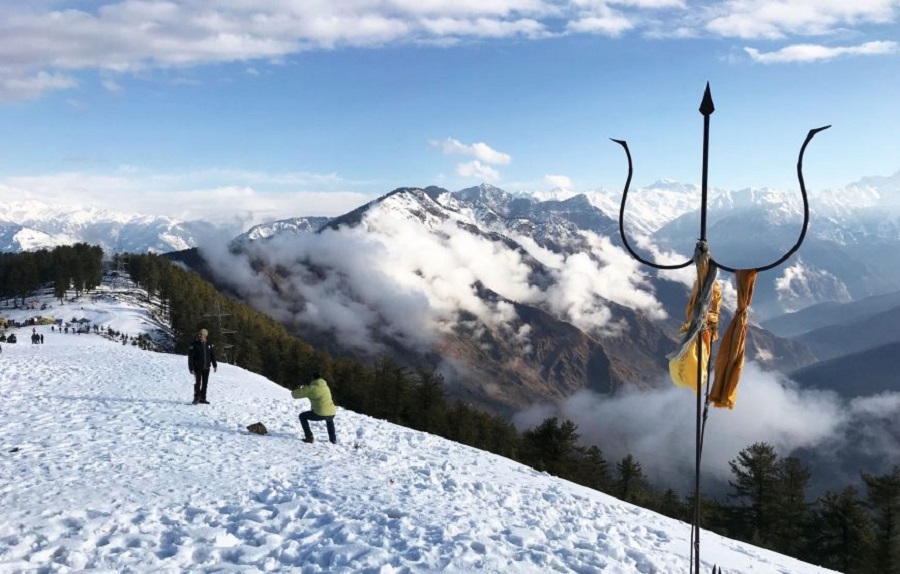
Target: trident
column 698, row 323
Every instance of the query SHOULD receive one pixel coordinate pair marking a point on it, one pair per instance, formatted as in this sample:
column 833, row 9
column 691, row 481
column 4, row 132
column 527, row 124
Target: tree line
column 78, row 267
column 855, row 530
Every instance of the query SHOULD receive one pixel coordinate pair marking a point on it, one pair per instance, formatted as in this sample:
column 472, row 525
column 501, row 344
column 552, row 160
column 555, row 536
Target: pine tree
column 841, row 533
column 550, row 445
column 428, row 402
column 755, row 485
column 672, row 505
column 352, row 383
column 884, row 501
column 463, row 424
column 24, row 276
column 631, row 483
column 391, row 387
column 593, row 470
column 496, row 435
column 791, row 511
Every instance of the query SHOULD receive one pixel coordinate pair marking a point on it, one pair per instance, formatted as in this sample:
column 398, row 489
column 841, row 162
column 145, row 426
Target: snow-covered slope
column 106, row 466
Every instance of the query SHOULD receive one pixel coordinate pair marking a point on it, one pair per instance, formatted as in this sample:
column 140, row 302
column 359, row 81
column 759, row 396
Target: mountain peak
column 672, row 185
column 410, row 202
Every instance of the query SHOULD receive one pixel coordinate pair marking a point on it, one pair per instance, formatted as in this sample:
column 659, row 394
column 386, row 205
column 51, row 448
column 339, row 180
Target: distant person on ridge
column 323, row 408
column 201, row 356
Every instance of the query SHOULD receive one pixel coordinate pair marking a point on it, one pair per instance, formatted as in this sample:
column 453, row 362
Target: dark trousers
column 201, row 379
column 307, row 416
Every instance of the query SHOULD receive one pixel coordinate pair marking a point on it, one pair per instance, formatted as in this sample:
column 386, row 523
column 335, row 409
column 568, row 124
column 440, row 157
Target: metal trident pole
column 706, row 109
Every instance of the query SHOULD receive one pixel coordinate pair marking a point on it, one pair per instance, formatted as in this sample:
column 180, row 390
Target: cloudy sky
column 277, row 108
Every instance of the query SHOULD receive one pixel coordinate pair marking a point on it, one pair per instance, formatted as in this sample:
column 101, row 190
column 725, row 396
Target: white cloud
column 471, row 7
column 611, row 24
column 818, row 53
column 477, row 170
column 480, row 151
column 27, row 87
column 651, row 3
column 214, row 195
column 483, row 27
column 780, row 18
column 112, row 86
column 560, row 181
column 45, row 43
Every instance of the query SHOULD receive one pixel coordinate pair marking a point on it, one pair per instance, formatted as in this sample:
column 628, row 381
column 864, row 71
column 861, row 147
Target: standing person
column 201, row 356
column 323, row 408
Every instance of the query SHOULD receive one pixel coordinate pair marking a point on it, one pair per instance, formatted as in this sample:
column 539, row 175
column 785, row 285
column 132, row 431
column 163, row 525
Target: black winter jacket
column 201, row 355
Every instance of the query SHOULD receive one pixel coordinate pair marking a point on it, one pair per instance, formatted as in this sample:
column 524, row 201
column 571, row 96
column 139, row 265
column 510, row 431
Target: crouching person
column 323, row 408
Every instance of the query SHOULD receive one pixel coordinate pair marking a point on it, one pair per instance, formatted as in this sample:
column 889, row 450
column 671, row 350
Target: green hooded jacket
column 319, row 396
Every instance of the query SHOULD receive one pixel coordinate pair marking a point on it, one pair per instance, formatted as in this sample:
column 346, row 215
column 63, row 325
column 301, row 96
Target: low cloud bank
column 836, row 437
column 394, row 276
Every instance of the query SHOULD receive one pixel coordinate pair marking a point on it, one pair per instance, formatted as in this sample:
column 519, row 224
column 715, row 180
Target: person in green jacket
column 323, row 408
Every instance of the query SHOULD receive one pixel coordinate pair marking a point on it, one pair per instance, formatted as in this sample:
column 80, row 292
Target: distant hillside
column 859, row 334
column 830, row 314
column 855, row 375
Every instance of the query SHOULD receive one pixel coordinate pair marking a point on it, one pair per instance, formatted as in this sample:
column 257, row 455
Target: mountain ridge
column 540, row 334
column 555, row 246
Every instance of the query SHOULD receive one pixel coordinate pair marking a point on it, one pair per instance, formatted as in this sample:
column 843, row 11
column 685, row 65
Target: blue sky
column 278, row 108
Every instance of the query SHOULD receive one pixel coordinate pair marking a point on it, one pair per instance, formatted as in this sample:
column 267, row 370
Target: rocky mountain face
column 516, row 300
column 493, row 350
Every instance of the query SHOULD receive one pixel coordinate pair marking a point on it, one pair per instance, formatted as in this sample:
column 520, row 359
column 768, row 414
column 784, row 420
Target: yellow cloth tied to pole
column 730, row 360
column 683, row 369
column 683, row 364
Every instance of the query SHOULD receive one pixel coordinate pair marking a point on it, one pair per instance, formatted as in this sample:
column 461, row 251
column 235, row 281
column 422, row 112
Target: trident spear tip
column 706, row 106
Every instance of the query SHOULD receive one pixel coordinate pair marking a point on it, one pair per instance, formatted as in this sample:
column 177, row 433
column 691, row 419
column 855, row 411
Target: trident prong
column 634, row 253
column 707, row 108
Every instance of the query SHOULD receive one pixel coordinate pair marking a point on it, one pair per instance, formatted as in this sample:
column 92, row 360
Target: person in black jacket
column 201, row 356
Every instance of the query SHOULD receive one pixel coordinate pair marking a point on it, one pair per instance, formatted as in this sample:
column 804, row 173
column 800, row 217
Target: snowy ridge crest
column 32, row 225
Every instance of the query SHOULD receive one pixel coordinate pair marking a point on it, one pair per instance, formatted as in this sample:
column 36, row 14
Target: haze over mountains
column 530, row 307
column 533, row 291
column 848, row 253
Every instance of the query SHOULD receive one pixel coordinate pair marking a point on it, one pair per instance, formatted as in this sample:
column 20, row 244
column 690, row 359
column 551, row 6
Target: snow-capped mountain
column 647, row 209
column 849, row 251
column 291, row 226
column 531, row 295
column 32, row 225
